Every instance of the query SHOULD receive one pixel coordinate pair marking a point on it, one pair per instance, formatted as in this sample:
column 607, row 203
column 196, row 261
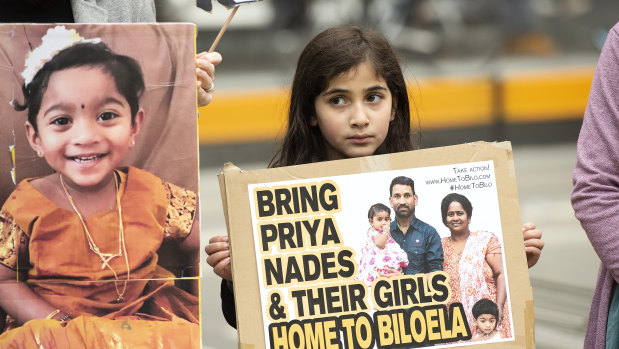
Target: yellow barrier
column 438, row 102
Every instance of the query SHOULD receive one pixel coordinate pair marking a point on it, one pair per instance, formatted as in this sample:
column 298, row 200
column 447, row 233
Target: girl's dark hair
column 125, row 71
column 374, row 209
column 485, row 306
column 331, row 53
column 459, row 198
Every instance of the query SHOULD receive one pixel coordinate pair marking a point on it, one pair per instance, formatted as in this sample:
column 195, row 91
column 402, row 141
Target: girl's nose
column 359, row 117
column 86, row 132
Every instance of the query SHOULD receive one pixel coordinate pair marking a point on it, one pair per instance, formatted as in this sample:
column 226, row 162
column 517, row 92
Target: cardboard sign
column 303, row 252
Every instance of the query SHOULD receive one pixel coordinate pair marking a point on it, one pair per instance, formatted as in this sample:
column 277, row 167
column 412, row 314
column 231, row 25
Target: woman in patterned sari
column 473, row 261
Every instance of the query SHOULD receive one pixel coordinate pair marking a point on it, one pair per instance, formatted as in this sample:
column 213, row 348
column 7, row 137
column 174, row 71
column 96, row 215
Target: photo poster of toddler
column 99, row 177
column 328, row 264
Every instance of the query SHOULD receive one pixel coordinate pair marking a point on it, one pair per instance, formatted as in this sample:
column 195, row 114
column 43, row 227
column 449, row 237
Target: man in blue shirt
column 419, row 239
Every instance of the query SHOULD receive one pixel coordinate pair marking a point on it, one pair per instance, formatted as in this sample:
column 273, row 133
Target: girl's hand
column 533, row 243
column 205, row 71
column 387, row 228
column 218, row 250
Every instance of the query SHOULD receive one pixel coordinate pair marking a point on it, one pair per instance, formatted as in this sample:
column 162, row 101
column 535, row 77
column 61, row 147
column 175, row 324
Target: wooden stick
column 223, row 29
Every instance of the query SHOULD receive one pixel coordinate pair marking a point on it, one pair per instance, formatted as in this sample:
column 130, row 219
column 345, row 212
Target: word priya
column 402, row 328
column 294, row 235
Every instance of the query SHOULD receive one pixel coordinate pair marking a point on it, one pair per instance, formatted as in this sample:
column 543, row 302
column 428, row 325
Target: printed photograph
column 99, row 227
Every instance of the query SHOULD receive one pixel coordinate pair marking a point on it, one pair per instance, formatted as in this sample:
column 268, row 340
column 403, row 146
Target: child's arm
column 19, row 301
column 205, row 71
column 533, row 243
column 381, row 239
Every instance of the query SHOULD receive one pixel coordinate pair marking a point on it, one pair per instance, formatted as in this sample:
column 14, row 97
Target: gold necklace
column 106, row 257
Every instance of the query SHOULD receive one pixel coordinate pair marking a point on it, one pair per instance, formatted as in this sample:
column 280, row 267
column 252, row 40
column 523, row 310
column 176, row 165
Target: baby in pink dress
column 380, row 250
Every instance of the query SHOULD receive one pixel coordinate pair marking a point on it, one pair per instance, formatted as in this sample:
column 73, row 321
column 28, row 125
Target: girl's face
column 380, row 219
column 353, row 113
column 486, row 323
column 84, row 126
column 457, row 219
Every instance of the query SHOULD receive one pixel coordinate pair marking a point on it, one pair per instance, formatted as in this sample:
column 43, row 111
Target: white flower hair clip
column 56, row 40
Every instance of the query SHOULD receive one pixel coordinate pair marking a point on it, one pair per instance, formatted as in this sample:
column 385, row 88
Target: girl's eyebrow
column 112, row 100
column 333, row 91
column 57, row 106
column 341, row 90
column 376, row 88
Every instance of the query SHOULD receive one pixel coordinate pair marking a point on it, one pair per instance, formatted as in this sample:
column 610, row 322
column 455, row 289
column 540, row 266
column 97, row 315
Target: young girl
column 86, row 237
column 380, row 250
column 486, row 313
column 348, row 99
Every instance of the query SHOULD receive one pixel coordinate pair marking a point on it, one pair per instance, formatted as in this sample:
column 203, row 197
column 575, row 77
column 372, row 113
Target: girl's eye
column 107, row 116
column 374, row 98
column 339, row 100
column 61, row 121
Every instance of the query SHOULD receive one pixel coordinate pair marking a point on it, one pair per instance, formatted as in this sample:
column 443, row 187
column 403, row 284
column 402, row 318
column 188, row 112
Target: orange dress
column 470, row 276
column 48, row 242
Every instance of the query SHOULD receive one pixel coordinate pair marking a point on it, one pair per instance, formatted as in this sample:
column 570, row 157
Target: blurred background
column 488, row 70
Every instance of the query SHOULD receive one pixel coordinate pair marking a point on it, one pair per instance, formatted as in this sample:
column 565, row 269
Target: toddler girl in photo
column 86, row 237
column 380, row 251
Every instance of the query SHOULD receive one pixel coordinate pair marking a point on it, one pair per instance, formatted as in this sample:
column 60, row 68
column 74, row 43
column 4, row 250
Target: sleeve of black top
column 227, row 302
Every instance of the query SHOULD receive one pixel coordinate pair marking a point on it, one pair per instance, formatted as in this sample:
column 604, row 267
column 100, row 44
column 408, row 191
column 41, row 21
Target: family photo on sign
column 471, row 259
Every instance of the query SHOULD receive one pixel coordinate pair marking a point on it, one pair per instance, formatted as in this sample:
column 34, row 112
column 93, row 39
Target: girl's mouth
column 360, row 138
column 88, row 158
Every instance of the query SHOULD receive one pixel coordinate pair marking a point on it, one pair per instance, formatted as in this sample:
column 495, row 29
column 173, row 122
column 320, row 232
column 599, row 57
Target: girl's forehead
column 83, row 76
column 364, row 69
column 90, row 85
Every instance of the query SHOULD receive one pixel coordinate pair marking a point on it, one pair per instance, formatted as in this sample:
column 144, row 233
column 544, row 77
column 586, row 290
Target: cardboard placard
column 297, row 237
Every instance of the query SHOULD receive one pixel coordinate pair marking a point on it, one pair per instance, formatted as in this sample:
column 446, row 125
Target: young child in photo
column 380, row 250
column 348, row 99
column 486, row 313
column 86, row 237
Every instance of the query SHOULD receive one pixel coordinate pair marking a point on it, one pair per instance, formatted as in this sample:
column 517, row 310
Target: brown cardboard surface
column 237, row 202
